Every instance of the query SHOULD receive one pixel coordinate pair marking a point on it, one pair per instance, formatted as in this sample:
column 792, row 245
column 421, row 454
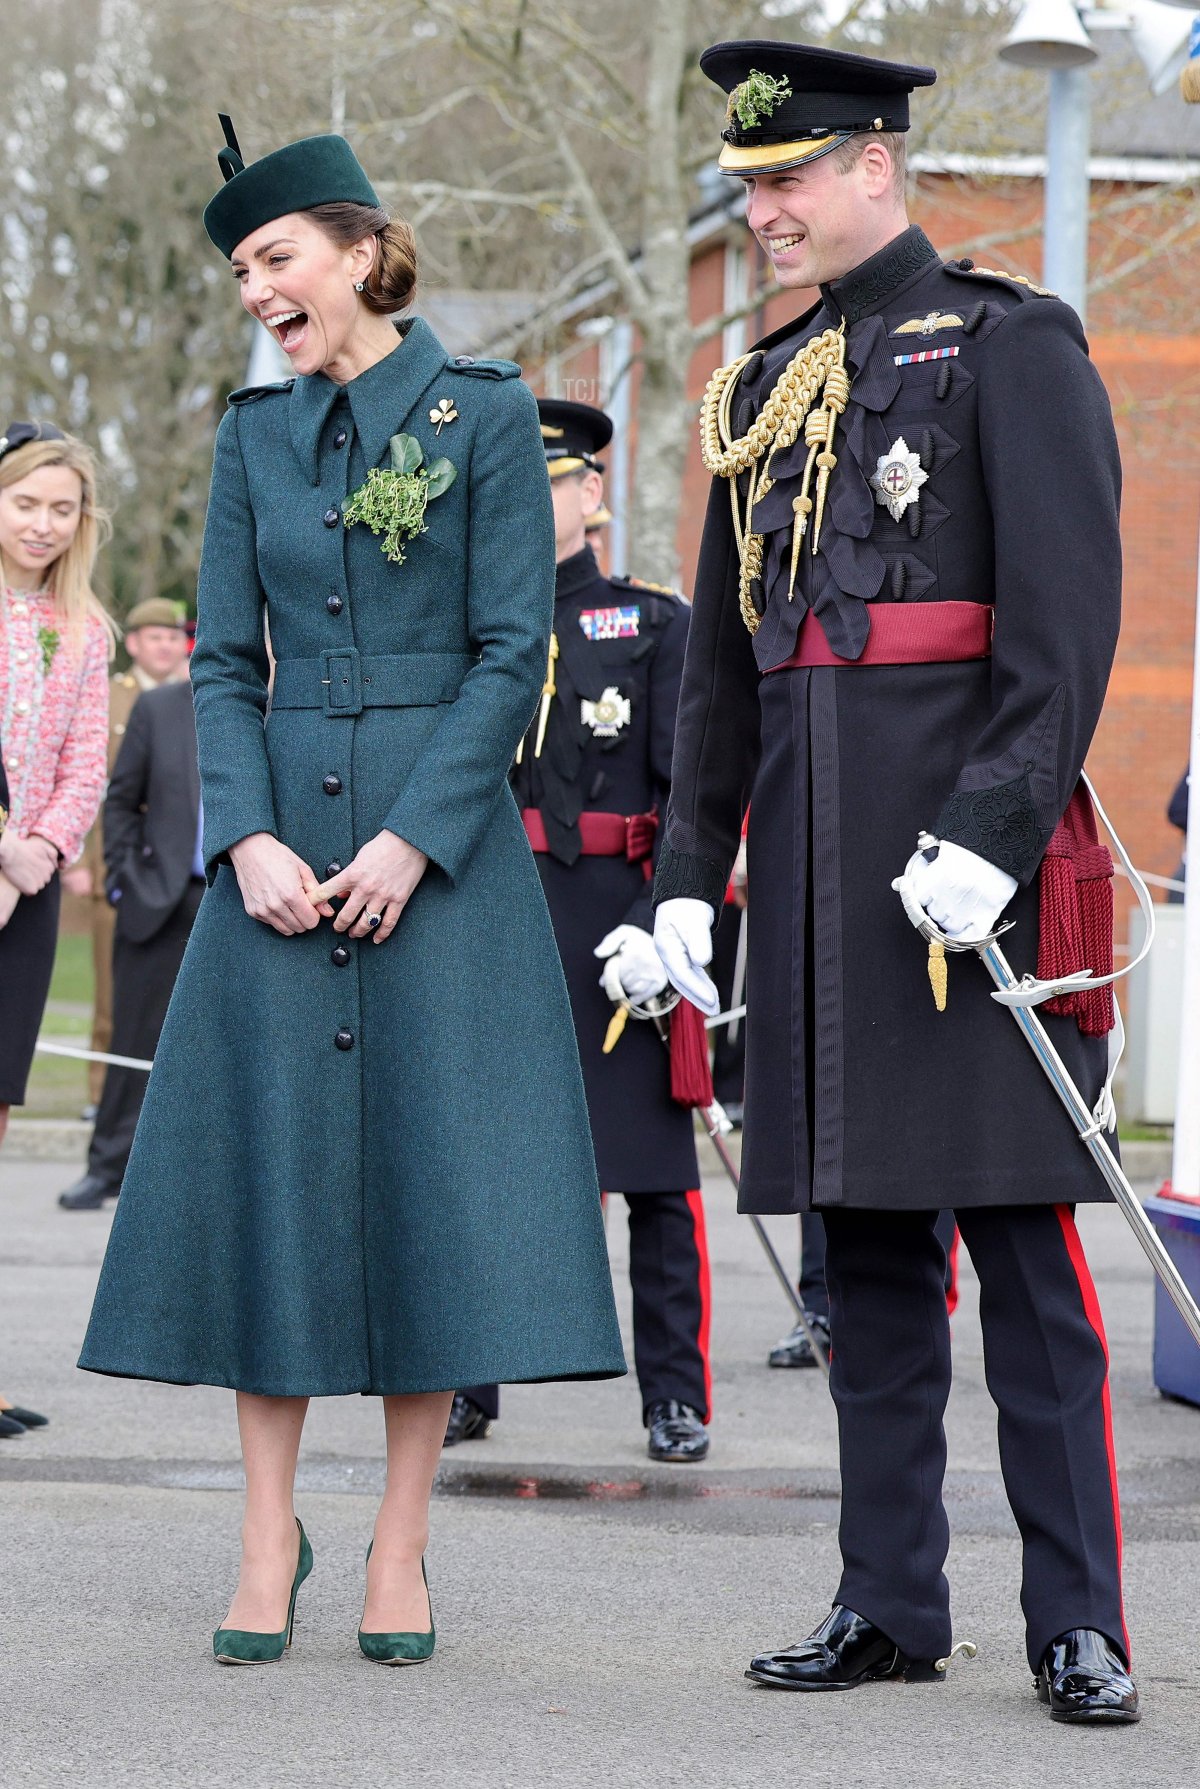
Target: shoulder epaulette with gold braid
column 790, row 409
column 997, row 273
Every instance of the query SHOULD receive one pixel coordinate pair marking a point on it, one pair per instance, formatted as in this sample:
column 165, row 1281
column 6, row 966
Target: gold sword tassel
column 939, row 979
column 616, row 1026
column 549, row 691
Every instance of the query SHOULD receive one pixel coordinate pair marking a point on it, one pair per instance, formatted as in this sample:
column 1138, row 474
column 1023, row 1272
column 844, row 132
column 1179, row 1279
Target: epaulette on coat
column 250, row 394
column 1016, row 283
column 631, row 583
column 483, row 369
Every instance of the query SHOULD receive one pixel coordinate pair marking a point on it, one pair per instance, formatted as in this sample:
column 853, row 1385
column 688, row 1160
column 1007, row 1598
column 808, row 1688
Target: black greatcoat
column 613, row 634
column 858, row 1093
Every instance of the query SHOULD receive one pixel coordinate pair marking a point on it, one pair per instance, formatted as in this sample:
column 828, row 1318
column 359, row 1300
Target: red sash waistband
column 904, row 634
column 630, row 836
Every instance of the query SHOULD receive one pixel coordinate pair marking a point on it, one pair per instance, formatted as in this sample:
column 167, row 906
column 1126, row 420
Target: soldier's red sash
column 903, row 634
column 630, row 836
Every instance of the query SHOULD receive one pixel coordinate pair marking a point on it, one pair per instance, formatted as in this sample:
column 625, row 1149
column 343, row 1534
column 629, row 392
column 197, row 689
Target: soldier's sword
column 1088, row 1128
column 716, row 1124
column 713, row 1117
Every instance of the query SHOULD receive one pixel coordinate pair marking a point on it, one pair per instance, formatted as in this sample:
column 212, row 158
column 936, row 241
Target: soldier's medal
column 607, row 715
column 939, row 979
column 897, row 478
column 930, row 323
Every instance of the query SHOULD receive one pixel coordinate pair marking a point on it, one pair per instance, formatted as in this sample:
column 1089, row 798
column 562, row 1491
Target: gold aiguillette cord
column 549, row 691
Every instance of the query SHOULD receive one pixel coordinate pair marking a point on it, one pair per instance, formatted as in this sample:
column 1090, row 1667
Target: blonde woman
column 55, row 643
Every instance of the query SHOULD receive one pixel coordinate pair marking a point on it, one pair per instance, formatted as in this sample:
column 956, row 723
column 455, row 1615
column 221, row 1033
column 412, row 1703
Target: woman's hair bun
column 392, row 281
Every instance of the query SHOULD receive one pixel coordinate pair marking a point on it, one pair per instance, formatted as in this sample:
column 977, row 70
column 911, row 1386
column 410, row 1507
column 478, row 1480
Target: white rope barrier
column 91, row 1055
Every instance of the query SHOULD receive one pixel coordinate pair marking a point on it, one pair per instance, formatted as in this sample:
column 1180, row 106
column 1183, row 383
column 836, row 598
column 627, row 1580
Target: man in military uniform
column 906, row 611
column 157, row 643
column 592, row 776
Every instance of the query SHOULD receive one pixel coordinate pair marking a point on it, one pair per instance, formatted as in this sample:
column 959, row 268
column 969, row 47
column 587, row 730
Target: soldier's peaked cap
column 572, row 435
column 313, row 171
column 790, row 103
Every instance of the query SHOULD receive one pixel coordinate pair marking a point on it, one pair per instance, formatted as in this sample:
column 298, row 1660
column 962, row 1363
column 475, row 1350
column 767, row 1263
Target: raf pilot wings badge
column 929, row 324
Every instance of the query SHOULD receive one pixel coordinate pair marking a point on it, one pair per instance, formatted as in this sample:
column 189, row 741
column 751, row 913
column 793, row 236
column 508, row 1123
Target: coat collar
column 576, row 573
column 865, row 288
column 381, row 399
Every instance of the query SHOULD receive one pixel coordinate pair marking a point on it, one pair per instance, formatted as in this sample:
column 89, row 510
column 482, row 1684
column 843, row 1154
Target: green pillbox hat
column 314, row 171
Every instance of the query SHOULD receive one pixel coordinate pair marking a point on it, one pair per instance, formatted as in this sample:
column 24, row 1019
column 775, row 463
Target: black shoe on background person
column 1083, row 1677
column 843, row 1652
column 796, row 1350
column 87, row 1194
column 676, row 1431
column 467, row 1421
column 10, row 1428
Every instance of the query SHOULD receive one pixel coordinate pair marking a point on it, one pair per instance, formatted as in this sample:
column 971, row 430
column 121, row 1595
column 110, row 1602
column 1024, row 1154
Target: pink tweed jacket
column 54, row 724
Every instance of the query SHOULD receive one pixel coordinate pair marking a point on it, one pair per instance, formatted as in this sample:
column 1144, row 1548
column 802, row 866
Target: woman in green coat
column 364, row 1162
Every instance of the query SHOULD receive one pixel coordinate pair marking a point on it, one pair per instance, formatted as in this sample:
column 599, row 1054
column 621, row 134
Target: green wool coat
column 373, row 1175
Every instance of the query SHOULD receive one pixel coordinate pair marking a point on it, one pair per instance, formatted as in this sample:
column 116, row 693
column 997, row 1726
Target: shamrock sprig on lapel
column 394, row 499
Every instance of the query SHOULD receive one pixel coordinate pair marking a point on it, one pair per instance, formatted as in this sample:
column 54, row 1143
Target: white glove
column 634, row 968
column 962, row 893
column 683, row 940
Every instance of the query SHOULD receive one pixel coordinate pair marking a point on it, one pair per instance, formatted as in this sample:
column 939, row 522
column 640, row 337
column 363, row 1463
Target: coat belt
column 904, row 634
column 344, row 682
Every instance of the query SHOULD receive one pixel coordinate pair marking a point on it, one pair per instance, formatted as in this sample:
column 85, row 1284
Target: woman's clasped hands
column 30, row 863
column 282, row 891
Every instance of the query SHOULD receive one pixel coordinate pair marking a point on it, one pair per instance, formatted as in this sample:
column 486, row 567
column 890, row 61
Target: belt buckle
column 342, row 682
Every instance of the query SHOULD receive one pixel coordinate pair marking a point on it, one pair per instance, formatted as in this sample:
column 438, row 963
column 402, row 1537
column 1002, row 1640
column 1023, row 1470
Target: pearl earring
column 358, row 285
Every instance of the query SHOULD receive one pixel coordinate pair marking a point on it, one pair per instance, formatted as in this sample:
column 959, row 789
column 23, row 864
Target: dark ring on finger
column 374, row 921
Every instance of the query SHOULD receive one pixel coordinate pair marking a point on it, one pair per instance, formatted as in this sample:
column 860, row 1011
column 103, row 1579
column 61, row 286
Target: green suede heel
column 399, row 1649
column 236, row 1646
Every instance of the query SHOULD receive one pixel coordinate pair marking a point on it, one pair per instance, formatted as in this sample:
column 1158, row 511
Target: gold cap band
column 772, row 158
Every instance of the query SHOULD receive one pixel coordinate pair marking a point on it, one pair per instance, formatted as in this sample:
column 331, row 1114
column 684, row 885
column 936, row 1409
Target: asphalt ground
column 594, row 1612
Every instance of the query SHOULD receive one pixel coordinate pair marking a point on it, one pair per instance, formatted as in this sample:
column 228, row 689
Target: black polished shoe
column 467, row 1421
column 10, row 1428
column 87, row 1194
column 28, row 1419
column 796, row 1350
column 1082, row 1677
column 843, row 1652
column 676, row 1431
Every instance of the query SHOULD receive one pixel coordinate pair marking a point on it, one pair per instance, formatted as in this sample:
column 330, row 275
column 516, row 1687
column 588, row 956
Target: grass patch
column 72, row 981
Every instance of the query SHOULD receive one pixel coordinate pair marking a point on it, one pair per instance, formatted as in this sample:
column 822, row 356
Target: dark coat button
column 331, row 518
column 339, row 956
column 331, row 784
column 334, row 604
column 333, row 868
column 339, row 440
column 344, row 1039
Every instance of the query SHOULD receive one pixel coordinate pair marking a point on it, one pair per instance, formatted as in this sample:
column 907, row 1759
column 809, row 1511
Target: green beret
column 156, row 611
column 314, row 171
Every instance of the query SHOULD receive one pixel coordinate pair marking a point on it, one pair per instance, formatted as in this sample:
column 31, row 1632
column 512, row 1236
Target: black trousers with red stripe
column 672, row 1301
column 1046, row 1364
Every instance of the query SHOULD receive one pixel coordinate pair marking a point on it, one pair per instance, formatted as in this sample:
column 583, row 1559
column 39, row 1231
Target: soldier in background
column 157, row 643
column 592, row 776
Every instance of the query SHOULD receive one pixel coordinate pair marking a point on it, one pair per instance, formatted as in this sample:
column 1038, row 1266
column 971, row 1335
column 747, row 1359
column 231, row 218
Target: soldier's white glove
column 683, row 939
column 962, row 893
column 634, row 968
